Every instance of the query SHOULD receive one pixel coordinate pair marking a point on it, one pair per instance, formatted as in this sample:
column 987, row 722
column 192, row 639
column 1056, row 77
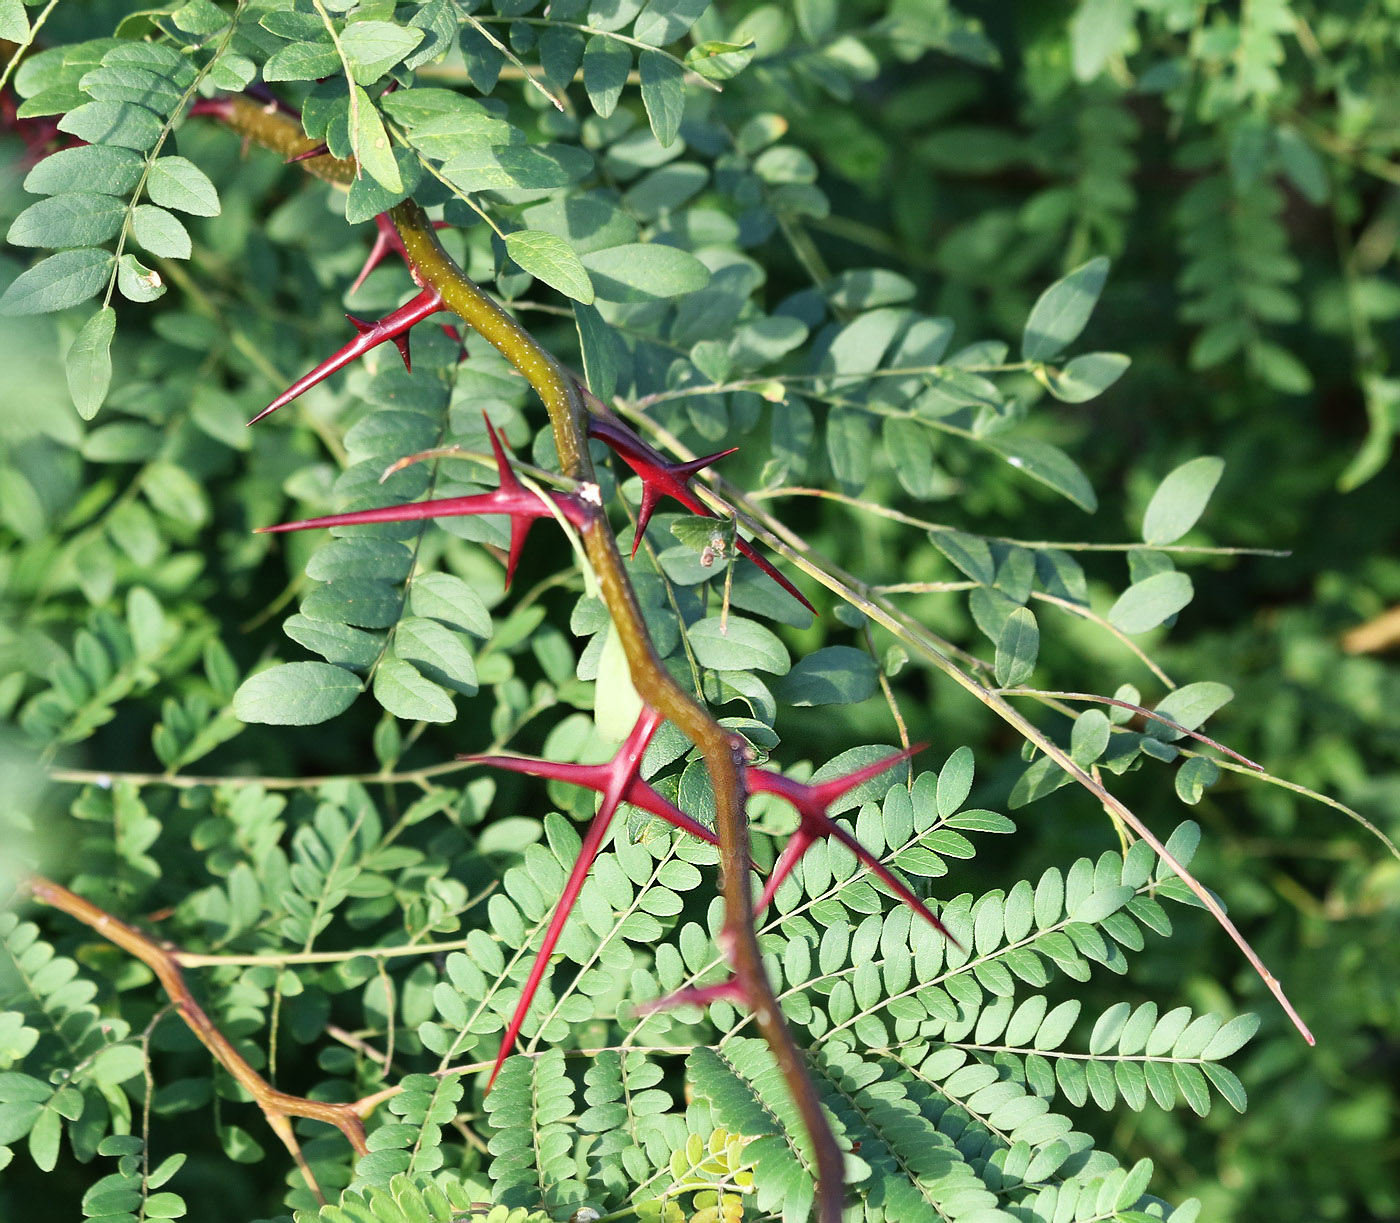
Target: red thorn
column 618, row 781
column 392, row 326
column 747, row 549
column 727, row 990
column 376, row 252
column 811, row 802
column 386, row 239
column 401, row 343
column 503, row 468
column 317, row 150
column 521, row 504
column 216, row 108
column 662, row 478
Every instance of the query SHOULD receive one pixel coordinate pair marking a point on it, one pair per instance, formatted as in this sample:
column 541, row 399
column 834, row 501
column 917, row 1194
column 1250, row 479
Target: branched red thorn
column 618, row 781
column 393, row 327
column 386, row 239
column 812, row 802
column 523, row 506
column 600, row 777
column 662, row 478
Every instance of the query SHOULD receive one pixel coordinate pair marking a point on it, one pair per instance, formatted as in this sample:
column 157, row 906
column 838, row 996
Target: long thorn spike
column 393, row 325
column 728, row 990
column 519, row 532
column 503, row 467
column 412, row 511
column 316, row 150
column 650, row 496
column 377, row 251
column 747, row 549
column 826, row 792
column 694, row 465
column 797, row 845
column 593, row 842
column 892, row 881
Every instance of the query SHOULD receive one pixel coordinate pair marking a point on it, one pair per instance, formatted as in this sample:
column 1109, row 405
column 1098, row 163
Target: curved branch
column 433, row 268
column 279, row 1107
column 564, row 401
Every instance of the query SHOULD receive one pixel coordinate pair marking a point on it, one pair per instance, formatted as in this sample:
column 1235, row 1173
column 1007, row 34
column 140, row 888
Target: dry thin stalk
column 279, row 1107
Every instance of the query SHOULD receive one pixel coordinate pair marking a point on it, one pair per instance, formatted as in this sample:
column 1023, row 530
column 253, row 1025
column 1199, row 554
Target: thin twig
column 279, row 1107
column 1060, row 545
column 1087, row 613
column 1142, row 711
column 189, row 781
column 799, row 553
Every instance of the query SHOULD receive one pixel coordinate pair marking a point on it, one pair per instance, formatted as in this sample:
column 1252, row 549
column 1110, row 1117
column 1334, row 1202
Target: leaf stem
column 799, row 553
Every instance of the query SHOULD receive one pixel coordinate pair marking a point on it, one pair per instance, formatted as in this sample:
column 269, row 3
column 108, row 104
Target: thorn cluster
column 812, row 802
column 393, row 327
column 618, row 781
column 662, row 478
column 523, row 505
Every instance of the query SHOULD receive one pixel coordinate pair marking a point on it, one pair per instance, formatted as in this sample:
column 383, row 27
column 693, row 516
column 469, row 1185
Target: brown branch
column 279, row 1107
column 563, row 398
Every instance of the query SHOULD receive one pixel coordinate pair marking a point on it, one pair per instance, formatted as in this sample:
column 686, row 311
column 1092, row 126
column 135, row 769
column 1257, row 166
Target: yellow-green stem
column 563, row 399
column 564, row 402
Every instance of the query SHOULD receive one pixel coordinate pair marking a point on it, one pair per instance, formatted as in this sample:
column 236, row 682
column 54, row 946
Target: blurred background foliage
column 1237, row 162
column 1240, row 164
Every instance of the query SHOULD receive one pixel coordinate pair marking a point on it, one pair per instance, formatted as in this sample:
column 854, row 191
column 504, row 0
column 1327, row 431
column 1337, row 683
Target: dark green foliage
column 889, row 257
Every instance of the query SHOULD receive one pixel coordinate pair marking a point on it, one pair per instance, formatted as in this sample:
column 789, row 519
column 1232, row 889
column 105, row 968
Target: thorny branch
column 564, row 399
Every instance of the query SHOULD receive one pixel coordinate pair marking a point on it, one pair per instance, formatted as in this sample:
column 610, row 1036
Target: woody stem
column 434, row 268
column 721, row 750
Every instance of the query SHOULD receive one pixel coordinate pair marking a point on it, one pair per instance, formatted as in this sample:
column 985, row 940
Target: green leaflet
column 160, row 232
column 370, row 142
column 663, row 94
column 1181, row 499
column 296, row 694
column 57, row 282
column 606, row 63
column 644, row 272
column 738, row 645
column 1063, row 311
column 1145, row 604
column 830, row 676
column 74, row 219
column 553, row 261
column 175, row 182
column 89, row 362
